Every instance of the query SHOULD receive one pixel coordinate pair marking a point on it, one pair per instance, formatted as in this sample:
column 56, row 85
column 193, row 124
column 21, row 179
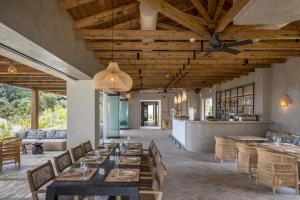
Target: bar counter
column 198, row 136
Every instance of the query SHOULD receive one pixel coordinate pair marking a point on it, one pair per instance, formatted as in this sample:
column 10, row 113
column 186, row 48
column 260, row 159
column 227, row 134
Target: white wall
column 81, row 113
column 261, row 78
column 286, row 81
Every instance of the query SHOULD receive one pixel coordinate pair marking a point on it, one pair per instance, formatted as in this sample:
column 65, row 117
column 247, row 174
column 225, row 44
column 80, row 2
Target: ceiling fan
column 217, row 44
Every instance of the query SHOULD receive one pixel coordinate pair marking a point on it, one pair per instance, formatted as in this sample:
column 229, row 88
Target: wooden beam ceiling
column 178, row 16
column 171, row 60
column 31, row 78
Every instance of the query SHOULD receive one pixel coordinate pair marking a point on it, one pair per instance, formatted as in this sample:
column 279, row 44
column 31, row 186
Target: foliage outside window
column 15, row 110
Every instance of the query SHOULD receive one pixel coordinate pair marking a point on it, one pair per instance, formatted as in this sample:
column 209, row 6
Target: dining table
column 249, row 138
column 282, row 148
column 101, row 182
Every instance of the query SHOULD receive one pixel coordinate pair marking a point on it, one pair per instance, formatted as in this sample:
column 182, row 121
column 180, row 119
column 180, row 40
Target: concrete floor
column 191, row 176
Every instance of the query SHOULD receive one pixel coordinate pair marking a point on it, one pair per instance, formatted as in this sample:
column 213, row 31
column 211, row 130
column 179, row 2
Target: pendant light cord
column 112, row 29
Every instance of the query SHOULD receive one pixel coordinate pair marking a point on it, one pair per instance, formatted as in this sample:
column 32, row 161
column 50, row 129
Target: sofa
column 285, row 137
column 53, row 140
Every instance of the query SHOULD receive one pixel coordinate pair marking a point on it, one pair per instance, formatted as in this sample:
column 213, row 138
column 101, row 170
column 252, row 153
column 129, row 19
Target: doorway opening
column 150, row 114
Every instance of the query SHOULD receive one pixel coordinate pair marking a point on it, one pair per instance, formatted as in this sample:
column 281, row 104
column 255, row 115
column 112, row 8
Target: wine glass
column 117, row 163
column 83, row 168
column 97, row 154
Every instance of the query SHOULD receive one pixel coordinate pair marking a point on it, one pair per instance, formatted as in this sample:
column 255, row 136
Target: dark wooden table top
column 96, row 186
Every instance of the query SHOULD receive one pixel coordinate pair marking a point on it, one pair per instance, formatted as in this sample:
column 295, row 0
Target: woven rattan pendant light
column 112, row 77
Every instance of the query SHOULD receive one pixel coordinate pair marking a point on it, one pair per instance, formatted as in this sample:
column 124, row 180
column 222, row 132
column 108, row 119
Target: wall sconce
column 284, row 101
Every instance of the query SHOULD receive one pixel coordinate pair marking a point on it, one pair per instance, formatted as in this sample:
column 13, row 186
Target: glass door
column 113, row 126
column 124, row 123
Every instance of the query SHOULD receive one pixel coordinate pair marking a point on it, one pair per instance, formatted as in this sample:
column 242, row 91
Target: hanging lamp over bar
column 112, row 77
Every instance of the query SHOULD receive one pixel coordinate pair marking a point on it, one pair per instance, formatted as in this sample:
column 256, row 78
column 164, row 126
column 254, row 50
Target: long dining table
column 98, row 185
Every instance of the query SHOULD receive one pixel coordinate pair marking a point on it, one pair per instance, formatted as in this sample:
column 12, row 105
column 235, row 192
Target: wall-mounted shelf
column 238, row 101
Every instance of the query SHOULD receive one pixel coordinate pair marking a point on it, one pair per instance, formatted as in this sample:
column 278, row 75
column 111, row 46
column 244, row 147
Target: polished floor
column 191, row 176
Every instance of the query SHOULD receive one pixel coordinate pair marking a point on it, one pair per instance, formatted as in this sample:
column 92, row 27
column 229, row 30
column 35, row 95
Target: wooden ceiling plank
column 178, row 16
column 67, row 4
column 128, row 25
column 106, row 16
column 230, row 14
column 167, row 26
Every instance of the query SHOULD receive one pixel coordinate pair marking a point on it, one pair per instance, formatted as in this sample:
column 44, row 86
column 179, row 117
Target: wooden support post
column 35, row 109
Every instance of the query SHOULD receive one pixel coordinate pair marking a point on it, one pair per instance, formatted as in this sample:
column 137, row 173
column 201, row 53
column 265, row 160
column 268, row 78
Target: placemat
column 130, row 160
column 102, row 152
column 124, row 175
column 92, row 159
column 134, row 145
column 75, row 174
column 132, row 152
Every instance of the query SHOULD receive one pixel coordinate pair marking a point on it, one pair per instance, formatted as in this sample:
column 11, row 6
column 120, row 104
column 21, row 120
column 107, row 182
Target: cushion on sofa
column 31, row 134
column 296, row 139
column 60, row 134
column 50, row 134
column 40, row 134
column 285, row 137
column 21, row 134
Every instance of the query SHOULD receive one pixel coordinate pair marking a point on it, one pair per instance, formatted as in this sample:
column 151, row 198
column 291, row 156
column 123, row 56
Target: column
column 35, row 109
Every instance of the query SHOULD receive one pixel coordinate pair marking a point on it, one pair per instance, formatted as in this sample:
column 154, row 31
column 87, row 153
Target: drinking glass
column 97, row 154
column 117, row 163
column 83, row 168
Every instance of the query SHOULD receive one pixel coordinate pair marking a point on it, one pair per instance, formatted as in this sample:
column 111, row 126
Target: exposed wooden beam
column 106, row 16
column 182, row 46
column 194, row 54
column 128, row 25
column 208, row 61
column 254, row 32
column 230, row 33
column 202, row 10
column 67, row 4
column 98, row 34
column 211, row 7
column 228, row 17
column 168, row 27
column 218, row 10
column 178, row 16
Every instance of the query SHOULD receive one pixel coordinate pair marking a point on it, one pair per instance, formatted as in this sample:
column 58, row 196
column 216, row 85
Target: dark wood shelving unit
column 238, row 101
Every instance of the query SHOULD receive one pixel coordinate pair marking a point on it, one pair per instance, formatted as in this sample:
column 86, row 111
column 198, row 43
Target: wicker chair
column 277, row 170
column 246, row 159
column 63, row 161
column 87, row 147
column 158, row 184
column 77, row 152
column 10, row 152
column 225, row 148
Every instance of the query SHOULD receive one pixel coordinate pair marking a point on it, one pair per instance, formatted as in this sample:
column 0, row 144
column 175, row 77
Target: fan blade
column 238, row 43
column 230, row 50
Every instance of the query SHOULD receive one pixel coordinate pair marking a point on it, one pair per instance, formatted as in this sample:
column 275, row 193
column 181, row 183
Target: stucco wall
column 81, row 113
column 286, row 81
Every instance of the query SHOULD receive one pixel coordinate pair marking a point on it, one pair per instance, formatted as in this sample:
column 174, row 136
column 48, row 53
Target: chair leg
column 274, row 190
column 222, row 161
column 90, row 197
